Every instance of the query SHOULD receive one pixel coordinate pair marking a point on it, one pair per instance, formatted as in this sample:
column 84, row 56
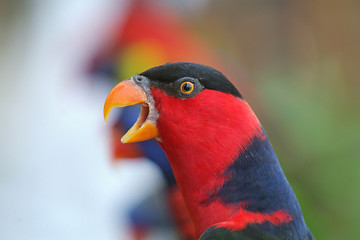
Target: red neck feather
column 201, row 136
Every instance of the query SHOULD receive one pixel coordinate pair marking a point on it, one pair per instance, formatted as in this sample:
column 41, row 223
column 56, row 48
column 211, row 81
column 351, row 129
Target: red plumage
column 199, row 122
column 242, row 218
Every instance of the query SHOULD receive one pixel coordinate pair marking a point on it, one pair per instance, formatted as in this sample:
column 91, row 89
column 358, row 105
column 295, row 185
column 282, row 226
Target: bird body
column 223, row 162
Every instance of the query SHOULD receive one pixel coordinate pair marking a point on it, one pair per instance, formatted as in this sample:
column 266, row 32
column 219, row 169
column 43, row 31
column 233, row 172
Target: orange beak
column 128, row 93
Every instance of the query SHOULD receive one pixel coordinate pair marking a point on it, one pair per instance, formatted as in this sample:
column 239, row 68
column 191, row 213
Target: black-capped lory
column 223, row 162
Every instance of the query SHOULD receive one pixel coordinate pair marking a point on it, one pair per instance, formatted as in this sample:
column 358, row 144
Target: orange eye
column 187, row 87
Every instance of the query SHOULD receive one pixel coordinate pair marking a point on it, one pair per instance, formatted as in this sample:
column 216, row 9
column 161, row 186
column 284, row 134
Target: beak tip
column 124, row 140
column 105, row 118
column 106, row 112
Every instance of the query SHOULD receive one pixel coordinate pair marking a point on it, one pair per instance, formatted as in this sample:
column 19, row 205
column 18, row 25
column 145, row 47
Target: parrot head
column 179, row 99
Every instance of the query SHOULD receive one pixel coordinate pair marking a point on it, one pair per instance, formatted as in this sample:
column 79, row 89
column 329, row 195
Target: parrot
column 223, row 162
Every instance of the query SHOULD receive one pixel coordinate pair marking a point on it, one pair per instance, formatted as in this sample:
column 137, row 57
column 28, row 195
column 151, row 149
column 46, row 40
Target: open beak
column 128, row 93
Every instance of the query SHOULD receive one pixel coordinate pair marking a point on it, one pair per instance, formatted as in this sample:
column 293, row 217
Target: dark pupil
column 186, row 87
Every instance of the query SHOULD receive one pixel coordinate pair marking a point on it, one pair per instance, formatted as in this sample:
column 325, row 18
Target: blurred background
column 296, row 63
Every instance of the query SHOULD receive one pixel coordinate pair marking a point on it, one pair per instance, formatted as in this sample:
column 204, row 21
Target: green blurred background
column 300, row 61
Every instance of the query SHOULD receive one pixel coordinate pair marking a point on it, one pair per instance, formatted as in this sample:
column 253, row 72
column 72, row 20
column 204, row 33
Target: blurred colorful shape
column 152, row 34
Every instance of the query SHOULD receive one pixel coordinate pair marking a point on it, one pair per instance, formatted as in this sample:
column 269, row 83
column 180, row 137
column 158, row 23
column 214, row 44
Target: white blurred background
column 56, row 180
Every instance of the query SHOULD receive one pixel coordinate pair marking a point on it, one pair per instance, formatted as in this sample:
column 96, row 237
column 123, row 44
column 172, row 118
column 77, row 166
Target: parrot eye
column 187, row 87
